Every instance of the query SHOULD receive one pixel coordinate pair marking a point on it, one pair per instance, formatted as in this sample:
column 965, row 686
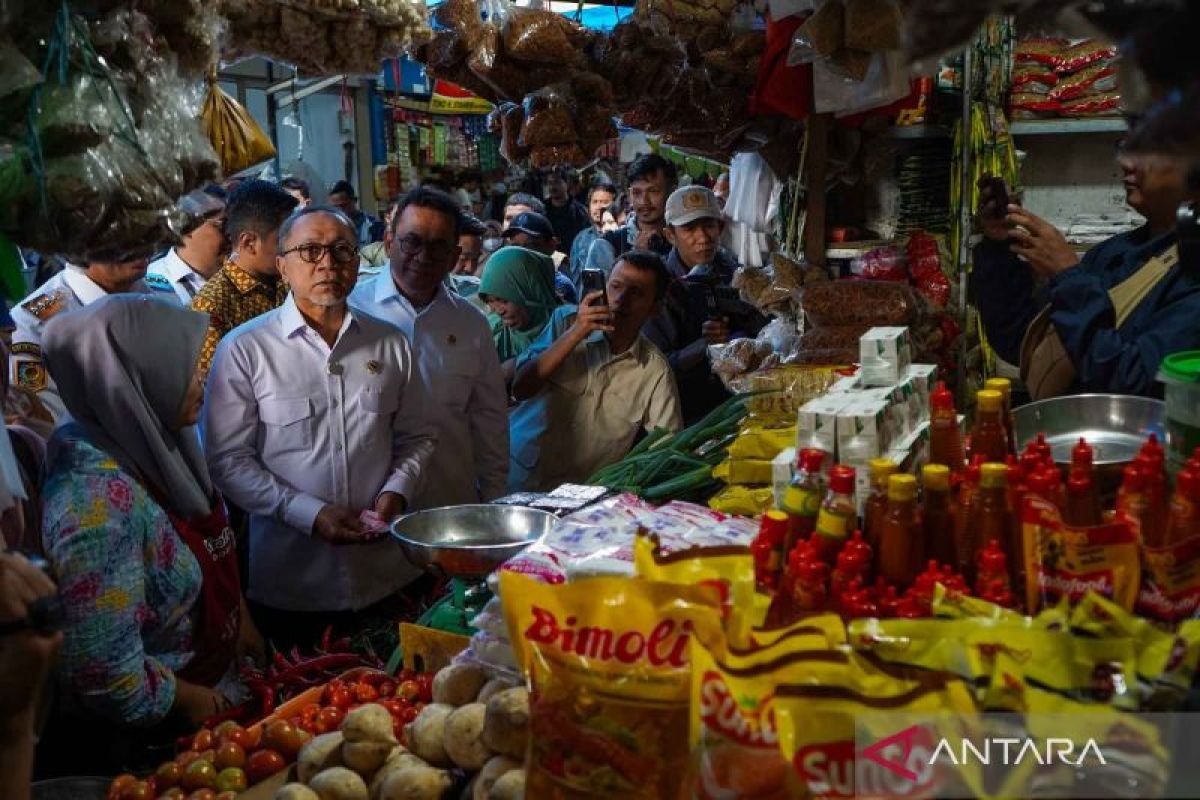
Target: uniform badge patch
column 26, row 349
column 45, row 306
column 159, row 282
column 31, row 375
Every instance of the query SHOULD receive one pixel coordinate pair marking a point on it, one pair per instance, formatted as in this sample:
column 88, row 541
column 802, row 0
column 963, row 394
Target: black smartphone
column 997, row 205
column 594, row 280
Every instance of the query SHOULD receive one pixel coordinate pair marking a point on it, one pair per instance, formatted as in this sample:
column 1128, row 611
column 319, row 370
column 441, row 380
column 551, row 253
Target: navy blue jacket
column 1123, row 361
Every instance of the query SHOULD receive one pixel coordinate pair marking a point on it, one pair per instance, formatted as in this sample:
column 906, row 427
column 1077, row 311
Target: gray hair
column 285, row 229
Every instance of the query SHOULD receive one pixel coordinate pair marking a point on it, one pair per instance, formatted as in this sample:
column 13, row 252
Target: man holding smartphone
column 591, row 382
column 1102, row 322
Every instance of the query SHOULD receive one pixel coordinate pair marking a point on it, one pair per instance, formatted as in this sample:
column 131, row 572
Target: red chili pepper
column 281, row 662
column 326, row 635
column 339, row 661
column 341, row 645
column 268, row 701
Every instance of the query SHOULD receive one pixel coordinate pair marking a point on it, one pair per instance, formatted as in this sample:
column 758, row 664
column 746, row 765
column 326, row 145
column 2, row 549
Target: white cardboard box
column 885, row 354
column 817, row 423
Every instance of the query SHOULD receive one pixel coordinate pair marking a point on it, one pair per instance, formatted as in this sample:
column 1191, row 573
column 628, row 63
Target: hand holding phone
column 594, row 280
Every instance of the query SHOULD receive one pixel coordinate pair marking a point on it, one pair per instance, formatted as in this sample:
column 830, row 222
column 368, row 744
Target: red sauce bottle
column 853, row 564
column 989, row 438
column 938, row 514
column 991, row 569
column 768, row 549
column 962, row 516
column 1154, row 518
column 802, row 498
column 1131, row 497
column 809, row 580
column 1004, row 387
column 880, row 469
column 838, row 515
column 945, row 438
column 901, row 543
column 1184, row 511
column 990, row 518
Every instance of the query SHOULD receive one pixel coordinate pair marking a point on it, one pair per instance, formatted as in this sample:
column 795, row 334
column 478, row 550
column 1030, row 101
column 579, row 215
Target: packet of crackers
column 607, row 661
column 1061, row 561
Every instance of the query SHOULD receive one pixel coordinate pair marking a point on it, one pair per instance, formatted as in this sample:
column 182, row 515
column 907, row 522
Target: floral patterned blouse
column 128, row 584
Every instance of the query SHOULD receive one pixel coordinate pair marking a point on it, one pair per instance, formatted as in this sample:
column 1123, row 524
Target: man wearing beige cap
column 701, row 308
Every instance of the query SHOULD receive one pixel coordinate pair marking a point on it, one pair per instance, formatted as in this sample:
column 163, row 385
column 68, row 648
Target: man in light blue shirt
column 453, row 346
column 314, row 416
column 600, row 197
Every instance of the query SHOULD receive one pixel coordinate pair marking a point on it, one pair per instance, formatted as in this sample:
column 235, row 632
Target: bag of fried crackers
column 607, row 661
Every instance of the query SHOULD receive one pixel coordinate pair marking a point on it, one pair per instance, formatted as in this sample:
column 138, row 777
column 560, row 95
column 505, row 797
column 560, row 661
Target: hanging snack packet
column 607, row 660
column 1170, row 590
column 1061, row 561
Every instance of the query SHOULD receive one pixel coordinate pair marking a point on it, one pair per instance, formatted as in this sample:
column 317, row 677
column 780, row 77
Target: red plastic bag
column 781, row 89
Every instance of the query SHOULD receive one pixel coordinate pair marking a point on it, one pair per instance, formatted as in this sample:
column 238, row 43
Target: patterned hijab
column 523, row 276
column 123, row 366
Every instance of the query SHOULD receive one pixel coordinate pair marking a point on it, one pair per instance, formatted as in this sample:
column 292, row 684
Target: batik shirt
column 231, row 298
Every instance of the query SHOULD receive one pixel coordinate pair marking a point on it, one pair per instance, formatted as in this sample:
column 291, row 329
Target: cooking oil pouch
column 744, row 501
column 1096, row 671
column 829, row 626
column 607, row 660
column 1170, row 590
column 1061, row 561
column 728, row 569
column 745, row 472
column 762, row 443
column 947, row 604
column 820, row 729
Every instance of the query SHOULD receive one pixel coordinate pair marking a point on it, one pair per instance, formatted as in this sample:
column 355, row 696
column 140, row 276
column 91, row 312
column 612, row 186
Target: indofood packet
column 607, row 660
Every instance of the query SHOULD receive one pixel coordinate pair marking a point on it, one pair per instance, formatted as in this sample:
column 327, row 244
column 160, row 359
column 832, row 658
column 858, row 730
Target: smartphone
column 997, row 207
column 594, row 280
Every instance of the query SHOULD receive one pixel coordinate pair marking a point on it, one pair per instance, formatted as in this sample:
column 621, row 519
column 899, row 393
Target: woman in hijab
column 518, row 287
column 136, row 535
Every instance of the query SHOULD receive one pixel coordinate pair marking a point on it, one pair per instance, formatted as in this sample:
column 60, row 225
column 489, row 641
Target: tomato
column 232, row 779
column 285, row 738
column 263, row 764
column 138, row 790
column 168, row 775
column 394, row 705
column 202, row 794
column 230, row 754
column 425, row 682
column 242, row 737
column 405, row 675
column 409, row 690
column 373, row 678
column 310, row 711
column 203, row 740
column 387, row 688
column 227, row 796
column 119, row 784
column 200, row 774
column 329, row 720
column 365, row 693
column 410, row 714
column 337, row 694
column 226, row 729
column 186, row 757
column 174, row 793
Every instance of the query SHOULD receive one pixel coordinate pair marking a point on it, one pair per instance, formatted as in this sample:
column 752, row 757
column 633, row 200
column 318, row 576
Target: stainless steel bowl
column 469, row 541
column 1116, row 426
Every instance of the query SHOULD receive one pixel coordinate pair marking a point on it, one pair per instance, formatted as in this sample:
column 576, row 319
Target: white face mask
column 491, row 245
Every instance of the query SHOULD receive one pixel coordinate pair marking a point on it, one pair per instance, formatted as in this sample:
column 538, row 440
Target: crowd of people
column 222, row 435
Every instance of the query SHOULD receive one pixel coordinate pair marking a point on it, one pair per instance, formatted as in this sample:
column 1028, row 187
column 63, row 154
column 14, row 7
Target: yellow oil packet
column 607, row 661
column 727, row 569
column 745, row 501
column 761, row 443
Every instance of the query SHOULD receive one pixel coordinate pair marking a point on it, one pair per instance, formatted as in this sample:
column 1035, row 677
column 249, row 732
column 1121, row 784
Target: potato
column 369, row 723
column 458, row 684
column 416, row 783
column 510, row 786
column 492, row 688
column 426, row 734
column 320, row 753
column 506, row 725
column 366, row 757
column 295, row 791
column 491, row 772
column 464, row 737
column 339, row 783
column 398, row 760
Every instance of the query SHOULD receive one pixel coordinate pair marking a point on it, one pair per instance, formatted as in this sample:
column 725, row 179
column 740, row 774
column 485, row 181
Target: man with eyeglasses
column 453, row 346
column 186, row 267
column 248, row 283
column 315, row 424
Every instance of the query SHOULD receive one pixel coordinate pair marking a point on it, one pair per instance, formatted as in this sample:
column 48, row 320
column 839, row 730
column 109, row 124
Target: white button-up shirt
column 291, row 424
column 461, row 370
column 65, row 291
column 173, row 271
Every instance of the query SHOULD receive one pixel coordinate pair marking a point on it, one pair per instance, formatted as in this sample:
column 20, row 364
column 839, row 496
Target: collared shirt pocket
column 452, row 384
column 288, row 423
column 376, row 400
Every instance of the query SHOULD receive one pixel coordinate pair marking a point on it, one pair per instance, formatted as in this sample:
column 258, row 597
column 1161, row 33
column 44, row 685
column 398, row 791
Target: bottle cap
column 1082, row 454
column 941, row 398
column 880, row 468
column 989, row 400
column 841, row 480
column 810, row 460
column 991, row 559
column 936, row 477
column 1001, row 385
column 1152, row 447
column 1134, row 480
column 902, row 488
column 994, row 476
column 774, row 525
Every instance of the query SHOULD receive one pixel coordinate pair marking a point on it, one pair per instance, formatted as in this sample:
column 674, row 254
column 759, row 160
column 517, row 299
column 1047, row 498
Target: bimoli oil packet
column 727, row 569
column 607, row 661
column 1061, row 561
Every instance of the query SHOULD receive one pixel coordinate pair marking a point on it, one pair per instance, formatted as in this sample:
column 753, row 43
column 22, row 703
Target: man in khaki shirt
column 592, row 382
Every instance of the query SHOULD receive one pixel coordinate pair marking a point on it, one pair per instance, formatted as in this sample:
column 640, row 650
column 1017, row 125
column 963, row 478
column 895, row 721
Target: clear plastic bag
column 531, row 34
column 885, row 82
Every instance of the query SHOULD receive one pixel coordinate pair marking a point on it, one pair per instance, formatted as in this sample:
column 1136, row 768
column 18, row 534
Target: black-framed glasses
column 411, row 245
column 312, row 253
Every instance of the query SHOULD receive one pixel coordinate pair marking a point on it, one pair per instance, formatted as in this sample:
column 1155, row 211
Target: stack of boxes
column 882, row 412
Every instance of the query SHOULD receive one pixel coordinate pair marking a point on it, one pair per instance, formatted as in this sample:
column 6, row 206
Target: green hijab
column 519, row 275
